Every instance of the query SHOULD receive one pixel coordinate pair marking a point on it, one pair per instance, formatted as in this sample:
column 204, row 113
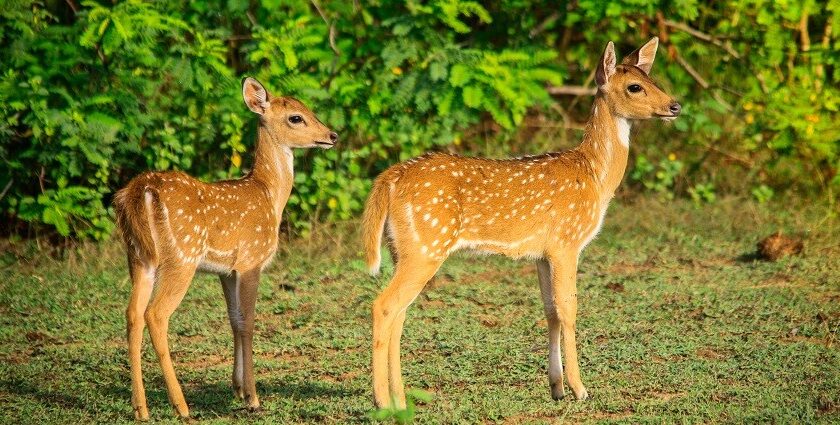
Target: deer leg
column 555, row 365
column 394, row 367
column 409, row 279
column 143, row 281
column 248, row 284
column 230, row 286
column 564, row 287
column 173, row 282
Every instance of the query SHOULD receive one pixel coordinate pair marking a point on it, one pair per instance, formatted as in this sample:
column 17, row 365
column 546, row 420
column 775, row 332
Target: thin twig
column 6, row 189
column 691, row 71
column 331, row 25
column 568, row 122
column 703, row 36
column 73, row 6
column 542, row 25
column 41, row 179
column 251, row 18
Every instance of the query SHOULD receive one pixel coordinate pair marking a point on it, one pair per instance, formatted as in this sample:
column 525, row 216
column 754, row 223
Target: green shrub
column 93, row 93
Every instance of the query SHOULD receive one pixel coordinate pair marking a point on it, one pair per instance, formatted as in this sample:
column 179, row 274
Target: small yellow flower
column 332, row 203
column 457, row 141
column 748, row 106
column 812, row 118
column 235, row 159
column 672, row 157
column 396, row 70
column 749, row 118
column 809, row 131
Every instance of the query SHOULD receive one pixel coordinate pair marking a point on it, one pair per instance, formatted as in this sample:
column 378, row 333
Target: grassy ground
column 677, row 324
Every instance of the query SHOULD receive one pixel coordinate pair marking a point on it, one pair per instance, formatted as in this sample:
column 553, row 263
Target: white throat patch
column 623, row 126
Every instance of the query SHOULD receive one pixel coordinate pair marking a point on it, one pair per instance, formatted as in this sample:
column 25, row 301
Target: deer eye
column 295, row 119
column 634, row 88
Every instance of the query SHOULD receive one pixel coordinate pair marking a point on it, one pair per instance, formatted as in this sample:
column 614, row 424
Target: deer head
column 629, row 90
column 288, row 120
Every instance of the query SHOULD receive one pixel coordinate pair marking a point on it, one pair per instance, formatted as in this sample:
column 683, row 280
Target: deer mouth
column 323, row 144
column 667, row 118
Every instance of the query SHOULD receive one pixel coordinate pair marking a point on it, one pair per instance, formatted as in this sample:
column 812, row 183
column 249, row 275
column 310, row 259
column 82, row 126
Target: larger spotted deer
column 546, row 207
column 174, row 225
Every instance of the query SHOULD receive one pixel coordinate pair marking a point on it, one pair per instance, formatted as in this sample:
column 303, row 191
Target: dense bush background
column 91, row 93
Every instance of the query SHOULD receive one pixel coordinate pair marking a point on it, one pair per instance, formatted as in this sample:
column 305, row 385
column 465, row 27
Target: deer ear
column 255, row 96
column 606, row 66
column 642, row 57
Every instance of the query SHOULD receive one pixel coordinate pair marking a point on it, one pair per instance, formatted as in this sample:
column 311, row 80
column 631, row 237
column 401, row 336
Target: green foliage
column 762, row 193
column 403, row 416
column 658, row 177
column 702, row 193
column 93, row 93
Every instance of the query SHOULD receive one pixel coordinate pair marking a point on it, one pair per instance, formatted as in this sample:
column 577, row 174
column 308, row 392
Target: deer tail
column 135, row 210
column 373, row 221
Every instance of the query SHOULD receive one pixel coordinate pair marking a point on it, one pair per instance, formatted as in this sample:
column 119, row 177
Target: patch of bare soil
column 667, row 396
column 709, row 353
column 790, row 339
column 205, row 361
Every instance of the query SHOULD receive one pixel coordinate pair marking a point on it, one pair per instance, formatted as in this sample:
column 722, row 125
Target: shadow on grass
column 46, row 397
column 216, row 399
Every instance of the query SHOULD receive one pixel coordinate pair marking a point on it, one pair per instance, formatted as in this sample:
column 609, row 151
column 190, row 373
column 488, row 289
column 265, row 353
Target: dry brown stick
column 820, row 68
column 691, row 71
column 6, row 189
column 331, row 25
column 568, row 122
column 746, row 162
column 542, row 25
column 702, row 36
column 805, row 39
column 572, row 90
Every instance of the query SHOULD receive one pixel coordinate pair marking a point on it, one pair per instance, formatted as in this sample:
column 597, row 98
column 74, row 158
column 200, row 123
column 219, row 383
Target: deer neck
column 273, row 167
column 606, row 144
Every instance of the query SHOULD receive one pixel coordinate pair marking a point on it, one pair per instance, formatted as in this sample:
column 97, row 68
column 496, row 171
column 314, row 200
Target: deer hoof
column 557, row 391
column 141, row 413
column 582, row 394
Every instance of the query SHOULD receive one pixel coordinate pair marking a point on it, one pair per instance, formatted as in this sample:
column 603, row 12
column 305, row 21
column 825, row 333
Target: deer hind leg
column 248, row 283
column 389, row 309
column 143, row 281
column 555, row 365
column 564, row 291
column 230, row 286
column 395, row 380
column 173, row 281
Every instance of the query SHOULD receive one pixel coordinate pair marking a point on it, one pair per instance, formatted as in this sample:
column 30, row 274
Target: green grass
column 677, row 323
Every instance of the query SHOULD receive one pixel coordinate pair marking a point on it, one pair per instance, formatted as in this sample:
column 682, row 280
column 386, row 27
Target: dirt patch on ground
column 623, row 267
column 667, row 396
column 811, row 340
column 606, row 416
column 710, row 353
column 206, row 361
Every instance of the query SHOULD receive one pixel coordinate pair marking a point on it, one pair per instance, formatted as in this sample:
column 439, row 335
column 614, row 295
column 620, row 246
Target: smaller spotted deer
column 174, row 225
column 546, row 207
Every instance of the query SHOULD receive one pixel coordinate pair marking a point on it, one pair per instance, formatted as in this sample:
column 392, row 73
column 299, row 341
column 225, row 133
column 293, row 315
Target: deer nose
column 333, row 136
column 675, row 108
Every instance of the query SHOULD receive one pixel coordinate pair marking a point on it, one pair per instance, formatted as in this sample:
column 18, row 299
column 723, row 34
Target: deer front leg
column 564, row 288
column 248, row 284
column 230, row 286
column 555, row 365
